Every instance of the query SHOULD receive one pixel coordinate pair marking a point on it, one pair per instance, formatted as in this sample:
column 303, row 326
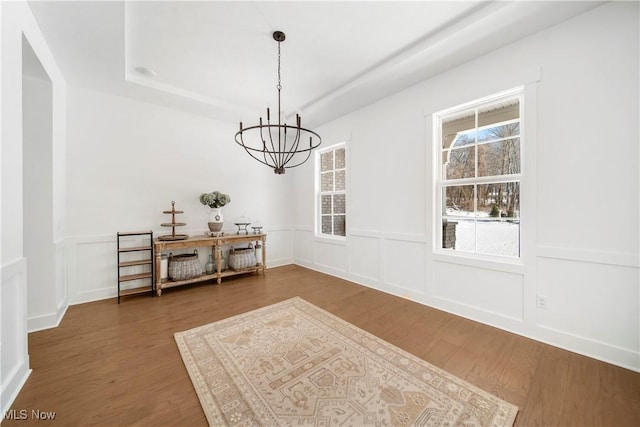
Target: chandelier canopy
column 277, row 144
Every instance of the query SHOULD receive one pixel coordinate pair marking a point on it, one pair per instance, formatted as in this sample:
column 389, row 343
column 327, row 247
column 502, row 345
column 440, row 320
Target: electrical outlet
column 542, row 302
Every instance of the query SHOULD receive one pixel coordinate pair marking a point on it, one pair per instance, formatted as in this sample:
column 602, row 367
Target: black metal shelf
column 147, row 260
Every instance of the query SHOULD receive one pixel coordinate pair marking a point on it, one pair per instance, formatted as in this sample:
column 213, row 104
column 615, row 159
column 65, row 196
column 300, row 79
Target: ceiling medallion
column 278, row 145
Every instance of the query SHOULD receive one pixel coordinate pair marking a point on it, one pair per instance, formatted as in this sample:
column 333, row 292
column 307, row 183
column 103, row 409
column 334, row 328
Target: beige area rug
column 294, row 364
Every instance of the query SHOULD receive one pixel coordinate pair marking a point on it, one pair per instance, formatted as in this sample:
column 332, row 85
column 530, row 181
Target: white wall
column 580, row 192
column 18, row 24
column 37, row 198
column 127, row 160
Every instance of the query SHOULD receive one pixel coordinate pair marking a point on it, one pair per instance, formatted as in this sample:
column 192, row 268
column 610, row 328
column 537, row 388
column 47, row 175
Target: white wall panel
column 365, row 257
column 404, row 265
column 330, row 256
column 55, row 308
column 14, row 364
column 597, row 302
column 492, row 291
column 279, row 246
column 61, row 277
column 11, row 51
column 37, row 206
column 588, row 146
column 95, row 275
column 303, row 245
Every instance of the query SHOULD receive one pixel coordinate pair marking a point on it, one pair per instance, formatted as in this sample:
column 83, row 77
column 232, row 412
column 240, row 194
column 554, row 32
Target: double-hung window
column 331, row 176
column 479, row 174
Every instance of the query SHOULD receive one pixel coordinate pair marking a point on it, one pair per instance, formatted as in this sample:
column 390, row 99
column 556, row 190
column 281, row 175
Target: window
column 479, row 174
column 331, row 178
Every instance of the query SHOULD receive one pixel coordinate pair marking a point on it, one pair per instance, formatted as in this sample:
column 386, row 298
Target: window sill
column 337, row 240
column 507, row 265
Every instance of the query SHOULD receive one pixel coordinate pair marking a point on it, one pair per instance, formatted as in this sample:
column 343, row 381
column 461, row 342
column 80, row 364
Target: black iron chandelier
column 278, row 145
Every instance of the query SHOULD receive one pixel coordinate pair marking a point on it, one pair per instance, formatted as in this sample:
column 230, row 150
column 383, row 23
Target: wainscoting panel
column 303, row 246
column 96, row 274
column 61, row 279
column 404, row 265
column 56, row 306
column 491, row 291
column 279, row 246
column 592, row 301
column 14, row 355
column 331, row 257
column 365, row 258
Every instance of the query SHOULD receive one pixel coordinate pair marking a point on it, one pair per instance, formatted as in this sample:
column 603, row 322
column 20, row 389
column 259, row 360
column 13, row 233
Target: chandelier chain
column 279, row 87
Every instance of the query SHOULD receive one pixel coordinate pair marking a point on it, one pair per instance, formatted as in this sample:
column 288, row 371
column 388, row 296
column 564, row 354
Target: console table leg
column 264, row 256
column 219, row 262
column 157, row 268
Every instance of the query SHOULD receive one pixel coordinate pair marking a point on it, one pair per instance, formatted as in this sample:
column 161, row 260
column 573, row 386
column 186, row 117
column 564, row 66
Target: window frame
column 319, row 193
column 440, row 183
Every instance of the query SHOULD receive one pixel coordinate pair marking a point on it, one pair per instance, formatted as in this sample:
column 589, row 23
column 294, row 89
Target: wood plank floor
column 118, row 365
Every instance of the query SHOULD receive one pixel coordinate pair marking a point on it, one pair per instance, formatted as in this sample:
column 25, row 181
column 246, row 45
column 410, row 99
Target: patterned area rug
column 295, row 364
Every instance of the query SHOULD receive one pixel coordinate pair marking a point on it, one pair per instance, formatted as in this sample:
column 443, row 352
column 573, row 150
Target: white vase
column 215, row 220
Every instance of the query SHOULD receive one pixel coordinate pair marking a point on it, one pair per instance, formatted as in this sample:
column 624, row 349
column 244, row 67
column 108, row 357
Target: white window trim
column 497, row 262
column 316, row 195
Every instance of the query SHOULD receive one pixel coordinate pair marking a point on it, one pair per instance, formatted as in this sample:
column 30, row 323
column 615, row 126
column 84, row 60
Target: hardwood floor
column 118, row 365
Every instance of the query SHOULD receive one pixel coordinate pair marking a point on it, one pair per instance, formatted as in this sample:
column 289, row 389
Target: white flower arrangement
column 215, row 199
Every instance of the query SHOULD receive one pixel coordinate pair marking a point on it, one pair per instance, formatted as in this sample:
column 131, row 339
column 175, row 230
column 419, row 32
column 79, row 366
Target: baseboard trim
column 16, row 381
column 47, row 321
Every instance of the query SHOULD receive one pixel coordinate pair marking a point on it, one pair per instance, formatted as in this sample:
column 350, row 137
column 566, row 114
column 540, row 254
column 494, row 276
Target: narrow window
column 480, row 170
column 331, row 178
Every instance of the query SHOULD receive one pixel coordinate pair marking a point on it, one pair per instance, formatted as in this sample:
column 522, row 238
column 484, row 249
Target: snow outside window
column 479, row 173
column 332, row 191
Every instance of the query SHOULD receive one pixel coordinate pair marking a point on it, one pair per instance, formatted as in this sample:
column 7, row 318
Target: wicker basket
column 240, row 259
column 184, row 266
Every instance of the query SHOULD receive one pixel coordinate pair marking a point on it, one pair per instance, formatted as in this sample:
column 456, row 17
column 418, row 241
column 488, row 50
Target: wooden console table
column 216, row 244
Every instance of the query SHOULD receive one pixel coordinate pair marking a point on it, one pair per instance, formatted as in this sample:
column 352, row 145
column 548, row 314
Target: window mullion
column 475, row 185
column 475, row 146
column 493, row 179
column 504, row 138
column 333, row 206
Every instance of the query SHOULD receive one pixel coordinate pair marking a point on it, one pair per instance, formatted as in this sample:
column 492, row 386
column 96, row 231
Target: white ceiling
column 219, row 58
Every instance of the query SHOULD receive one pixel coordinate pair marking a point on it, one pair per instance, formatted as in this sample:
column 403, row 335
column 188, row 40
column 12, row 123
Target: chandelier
column 278, row 145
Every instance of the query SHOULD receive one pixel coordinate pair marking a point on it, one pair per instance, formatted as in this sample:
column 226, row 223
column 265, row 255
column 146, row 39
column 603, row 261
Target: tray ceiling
column 218, row 58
